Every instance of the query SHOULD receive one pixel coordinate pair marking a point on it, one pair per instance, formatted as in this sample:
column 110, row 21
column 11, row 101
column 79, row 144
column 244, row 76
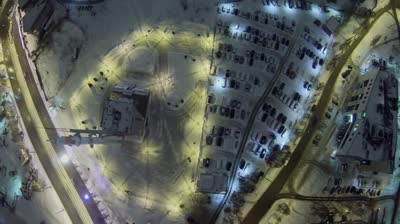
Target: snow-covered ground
column 130, row 40
column 294, row 211
column 44, row 205
column 144, row 43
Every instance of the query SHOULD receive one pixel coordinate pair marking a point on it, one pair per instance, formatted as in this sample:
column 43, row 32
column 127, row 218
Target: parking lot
column 274, row 54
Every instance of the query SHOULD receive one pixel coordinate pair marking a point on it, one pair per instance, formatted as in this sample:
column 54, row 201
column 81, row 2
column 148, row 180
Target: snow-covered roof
column 370, row 122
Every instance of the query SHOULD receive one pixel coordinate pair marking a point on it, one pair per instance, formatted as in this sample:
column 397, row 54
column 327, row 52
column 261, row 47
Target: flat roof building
column 367, row 137
column 124, row 112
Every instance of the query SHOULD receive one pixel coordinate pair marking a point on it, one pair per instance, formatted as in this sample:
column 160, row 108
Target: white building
column 367, row 138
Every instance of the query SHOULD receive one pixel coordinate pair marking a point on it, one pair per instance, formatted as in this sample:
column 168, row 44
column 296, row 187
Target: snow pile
column 141, row 60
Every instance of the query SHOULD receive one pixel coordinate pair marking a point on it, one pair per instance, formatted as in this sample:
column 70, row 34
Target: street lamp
column 64, row 158
column 86, row 196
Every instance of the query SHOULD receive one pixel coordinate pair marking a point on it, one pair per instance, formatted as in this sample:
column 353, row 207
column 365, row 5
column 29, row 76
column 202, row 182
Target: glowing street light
column 64, row 158
column 86, row 196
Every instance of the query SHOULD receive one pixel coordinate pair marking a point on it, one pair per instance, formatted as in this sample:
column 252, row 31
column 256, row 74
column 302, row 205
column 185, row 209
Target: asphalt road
column 265, row 202
column 32, row 131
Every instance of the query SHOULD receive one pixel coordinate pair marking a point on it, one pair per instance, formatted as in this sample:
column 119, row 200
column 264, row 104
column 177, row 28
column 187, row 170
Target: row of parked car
column 262, row 18
column 219, row 133
column 269, row 41
column 207, row 162
column 317, row 43
column 230, row 112
column 291, row 102
column 352, row 190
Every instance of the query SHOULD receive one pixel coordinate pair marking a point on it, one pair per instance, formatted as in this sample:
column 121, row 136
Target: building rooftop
column 369, row 130
column 125, row 111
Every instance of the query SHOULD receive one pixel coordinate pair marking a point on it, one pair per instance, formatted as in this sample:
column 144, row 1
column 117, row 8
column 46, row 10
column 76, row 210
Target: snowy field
column 144, row 43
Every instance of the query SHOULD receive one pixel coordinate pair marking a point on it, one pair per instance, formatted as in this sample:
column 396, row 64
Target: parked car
column 263, row 152
column 219, row 141
column 264, row 117
column 242, row 164
column 228, row 166
column 263, row 140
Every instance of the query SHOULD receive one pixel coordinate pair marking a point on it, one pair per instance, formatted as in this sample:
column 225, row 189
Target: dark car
column 242, row 164
column 276, row 47
column 274, row 91
column 251, row 62
column 273, row 112
column 265, row 106
column 302, row 56
column 263, row 140
column 227, row 112
column 256, row 81
column 232, row 113
column 281, row 129
column 262, row 57
column 264, row 117
column 279, row 117
column 263, row 152
column 228, row 166
column 219, row 141
column 328, row 115
column 305, row 85
column 206, row 162
column 314, row 64
column 283, row 119
column 220, row 131
column 232, row 83
column 321, row 61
